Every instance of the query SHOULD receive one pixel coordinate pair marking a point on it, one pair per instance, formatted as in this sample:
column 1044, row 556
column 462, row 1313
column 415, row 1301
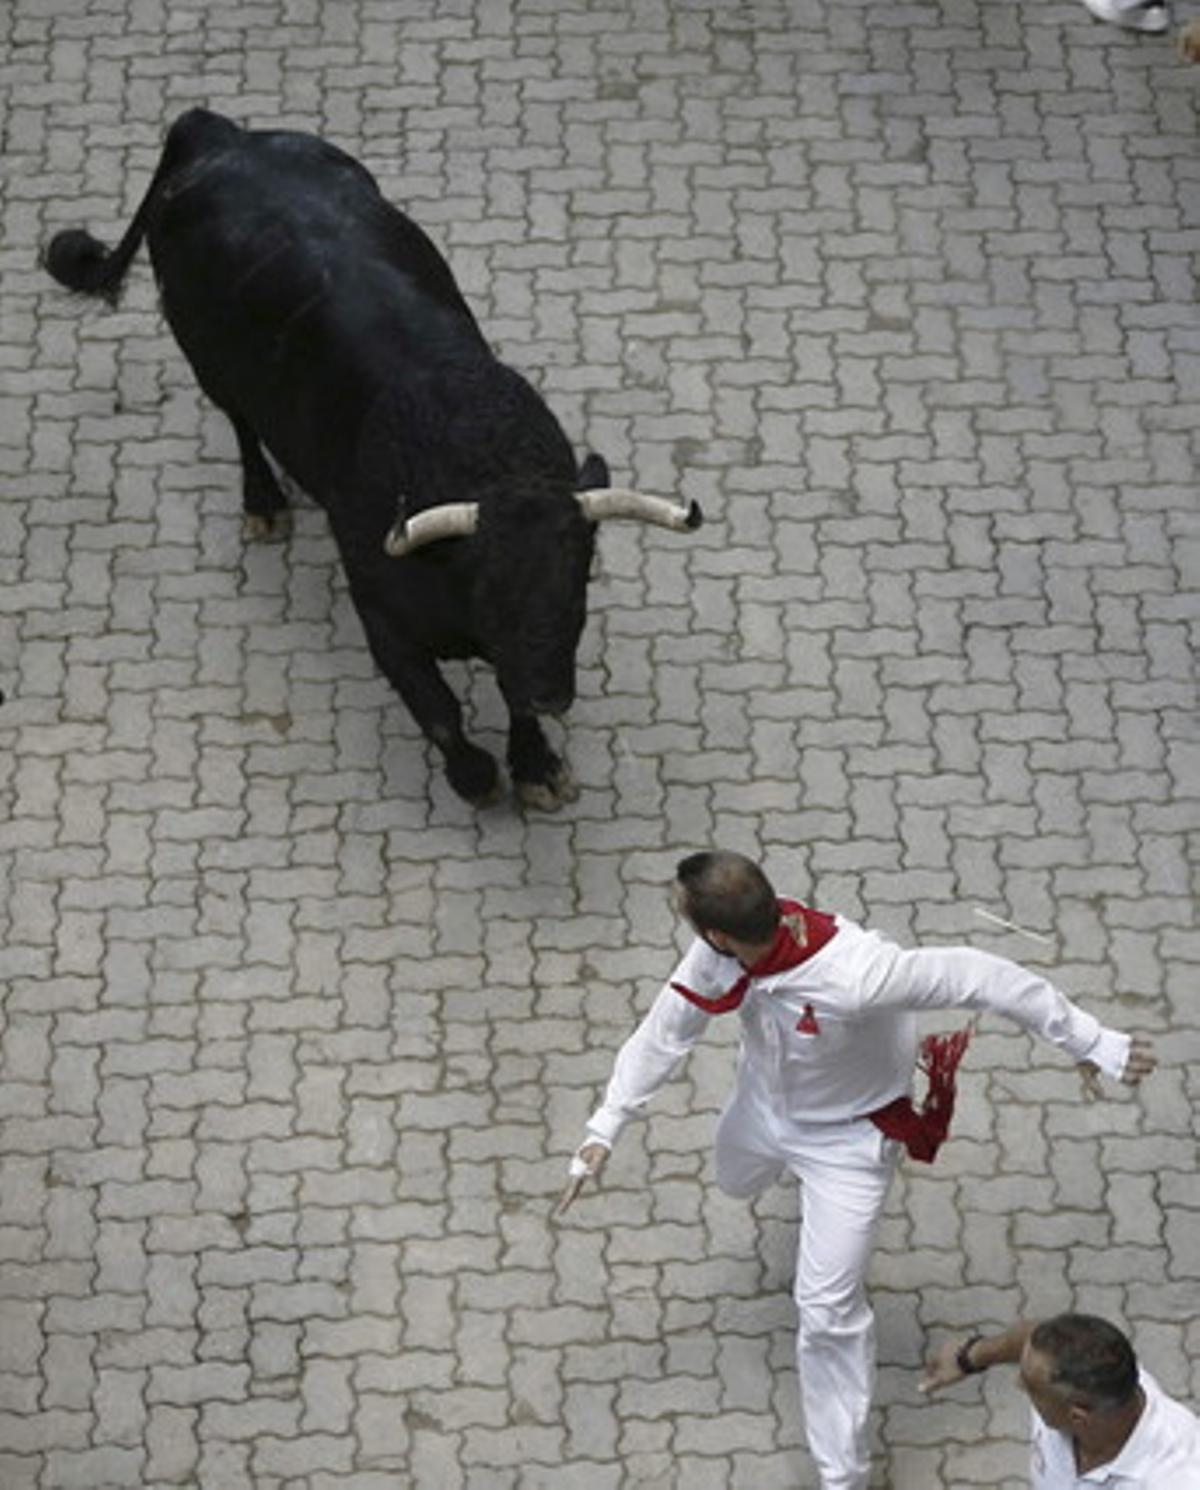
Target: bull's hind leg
column 264, row 506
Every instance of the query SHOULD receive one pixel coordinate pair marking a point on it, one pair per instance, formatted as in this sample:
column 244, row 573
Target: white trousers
column 845, row 1170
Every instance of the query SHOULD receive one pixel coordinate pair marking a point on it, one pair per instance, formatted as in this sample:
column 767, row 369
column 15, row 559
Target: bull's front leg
column 471, row 771
column 417, row 679
column 540, row 777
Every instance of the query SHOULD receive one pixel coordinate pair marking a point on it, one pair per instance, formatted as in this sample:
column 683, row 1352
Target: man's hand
column 1141, row 1062
column 586, row 1165
column 1189, row 42
column 941, row 1369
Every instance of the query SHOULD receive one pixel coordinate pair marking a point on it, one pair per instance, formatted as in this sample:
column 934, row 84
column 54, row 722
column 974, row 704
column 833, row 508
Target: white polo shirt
column 1162, row 1452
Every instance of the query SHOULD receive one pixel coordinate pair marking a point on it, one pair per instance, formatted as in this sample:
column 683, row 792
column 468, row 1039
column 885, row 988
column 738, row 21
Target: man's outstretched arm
column 967, row 1355
column 644, row 1064
column 962, row 977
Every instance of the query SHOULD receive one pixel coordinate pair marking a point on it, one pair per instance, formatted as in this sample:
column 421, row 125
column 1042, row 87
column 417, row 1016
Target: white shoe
column 1150, row 16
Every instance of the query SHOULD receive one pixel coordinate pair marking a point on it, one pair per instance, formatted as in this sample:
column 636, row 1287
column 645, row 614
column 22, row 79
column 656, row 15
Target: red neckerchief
column 801, row 934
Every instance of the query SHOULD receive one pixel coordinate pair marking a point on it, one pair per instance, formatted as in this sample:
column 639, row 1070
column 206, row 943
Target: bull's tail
column 82, row 263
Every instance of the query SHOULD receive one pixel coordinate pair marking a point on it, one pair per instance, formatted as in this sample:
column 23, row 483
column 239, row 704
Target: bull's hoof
column 473, row 774
column 490, row 798
column 547, row 796
column 266, row 527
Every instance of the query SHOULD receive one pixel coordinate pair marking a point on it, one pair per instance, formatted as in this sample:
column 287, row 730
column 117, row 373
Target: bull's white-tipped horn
column 616, row 501
column 453, row 520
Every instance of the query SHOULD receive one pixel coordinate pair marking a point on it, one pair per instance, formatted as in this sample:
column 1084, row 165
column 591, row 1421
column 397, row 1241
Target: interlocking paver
column 295, row 1044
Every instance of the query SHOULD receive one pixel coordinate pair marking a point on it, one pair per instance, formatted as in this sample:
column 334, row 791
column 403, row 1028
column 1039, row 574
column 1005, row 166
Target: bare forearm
column 1003, row 1349
column 968, row 1356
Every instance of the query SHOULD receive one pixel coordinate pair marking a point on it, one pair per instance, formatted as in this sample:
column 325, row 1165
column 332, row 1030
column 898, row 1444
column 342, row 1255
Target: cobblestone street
column 295, row 1043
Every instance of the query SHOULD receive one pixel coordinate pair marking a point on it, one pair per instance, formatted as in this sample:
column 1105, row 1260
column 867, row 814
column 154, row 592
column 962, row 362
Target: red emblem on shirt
column 807, row 1023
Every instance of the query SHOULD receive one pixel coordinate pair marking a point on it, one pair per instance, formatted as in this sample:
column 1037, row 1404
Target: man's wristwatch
column 962, row 1358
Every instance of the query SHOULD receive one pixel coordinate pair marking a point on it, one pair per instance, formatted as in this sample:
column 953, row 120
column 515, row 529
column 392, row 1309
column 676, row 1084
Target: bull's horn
column 615, row 501
column 453, row 520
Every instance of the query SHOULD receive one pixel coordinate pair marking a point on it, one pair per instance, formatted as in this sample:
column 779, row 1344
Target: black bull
column 329, row 329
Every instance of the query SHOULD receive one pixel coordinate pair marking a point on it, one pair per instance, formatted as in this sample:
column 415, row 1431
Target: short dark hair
column 722, row 891
column 1091, row 1361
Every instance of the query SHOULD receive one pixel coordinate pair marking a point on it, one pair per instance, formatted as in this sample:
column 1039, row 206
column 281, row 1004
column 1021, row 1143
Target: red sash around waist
column 923, row 1133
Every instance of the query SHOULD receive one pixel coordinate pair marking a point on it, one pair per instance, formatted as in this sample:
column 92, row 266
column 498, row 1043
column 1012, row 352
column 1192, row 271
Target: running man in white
column 824, row 1073
column 1098, row 1418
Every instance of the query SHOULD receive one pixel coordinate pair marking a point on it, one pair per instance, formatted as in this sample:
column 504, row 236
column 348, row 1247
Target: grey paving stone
column 295, row 1045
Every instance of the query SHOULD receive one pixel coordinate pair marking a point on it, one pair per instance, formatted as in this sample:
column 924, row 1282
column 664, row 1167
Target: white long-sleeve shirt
column 1162, row 1452
column 835, row 1037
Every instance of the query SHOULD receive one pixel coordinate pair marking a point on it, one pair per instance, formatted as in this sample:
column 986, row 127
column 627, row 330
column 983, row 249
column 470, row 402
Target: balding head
column 1086, row 1362
column 722, row 891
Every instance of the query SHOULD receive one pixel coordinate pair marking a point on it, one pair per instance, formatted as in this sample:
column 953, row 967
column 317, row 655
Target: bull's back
column 296, row 292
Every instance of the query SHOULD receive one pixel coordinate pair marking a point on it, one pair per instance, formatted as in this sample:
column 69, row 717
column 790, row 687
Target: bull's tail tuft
column 83, row 264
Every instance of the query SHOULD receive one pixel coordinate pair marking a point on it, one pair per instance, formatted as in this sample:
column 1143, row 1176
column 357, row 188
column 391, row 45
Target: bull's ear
column 454, row 520
column 615, row 501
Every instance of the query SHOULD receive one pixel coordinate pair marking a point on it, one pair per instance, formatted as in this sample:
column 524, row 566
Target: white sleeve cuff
column 604, row 1125
column 1110, row 1052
